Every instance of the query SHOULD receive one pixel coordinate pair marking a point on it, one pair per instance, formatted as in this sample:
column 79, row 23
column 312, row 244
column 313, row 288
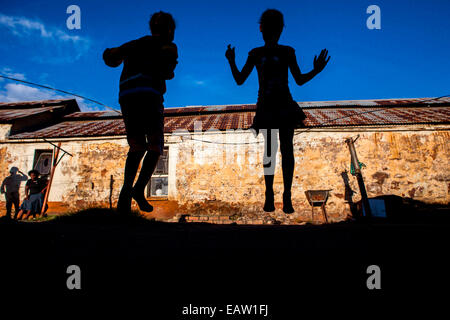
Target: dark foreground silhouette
column 173, row 264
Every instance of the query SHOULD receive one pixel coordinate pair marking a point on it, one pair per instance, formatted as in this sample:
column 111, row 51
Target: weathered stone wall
column 223, row 179
column 80, row 180
column 227, row 180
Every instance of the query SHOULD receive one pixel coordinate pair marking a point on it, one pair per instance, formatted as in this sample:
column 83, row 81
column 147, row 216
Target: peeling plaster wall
column 78, row 180
column 4, row 131
column 413, row 164
column 217, row 179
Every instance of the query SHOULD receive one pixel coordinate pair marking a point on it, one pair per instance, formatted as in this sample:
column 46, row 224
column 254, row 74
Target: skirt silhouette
column 34, row 203
column 276, row 113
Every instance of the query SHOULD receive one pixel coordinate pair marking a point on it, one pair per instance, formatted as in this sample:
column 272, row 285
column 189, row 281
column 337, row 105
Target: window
column 158, row 185
column 43, row 161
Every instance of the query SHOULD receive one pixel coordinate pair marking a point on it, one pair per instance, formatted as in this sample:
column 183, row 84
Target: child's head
column 162, row 24
column 33, row 174
column 271, row 25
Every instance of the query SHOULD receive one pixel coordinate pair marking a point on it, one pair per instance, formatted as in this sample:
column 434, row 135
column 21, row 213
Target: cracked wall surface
column 227, row 179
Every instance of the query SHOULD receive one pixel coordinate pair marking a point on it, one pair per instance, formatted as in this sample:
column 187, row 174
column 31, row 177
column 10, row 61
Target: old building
column 211, row 168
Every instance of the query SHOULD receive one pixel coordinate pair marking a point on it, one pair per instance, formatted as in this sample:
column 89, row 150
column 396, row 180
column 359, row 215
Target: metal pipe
column 359, row 177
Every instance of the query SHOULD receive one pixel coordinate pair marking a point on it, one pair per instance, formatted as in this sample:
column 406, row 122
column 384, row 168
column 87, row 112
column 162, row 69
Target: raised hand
column 229, row 54
column 321, row 61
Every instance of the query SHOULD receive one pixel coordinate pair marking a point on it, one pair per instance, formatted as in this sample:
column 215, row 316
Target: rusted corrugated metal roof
column 243, row 120
column 375, row 102
column 113, row 127
column 9, row 115
column 77, row 129
column 319, row 114
column 13, row 111
column 33, row 104
column 320, row 117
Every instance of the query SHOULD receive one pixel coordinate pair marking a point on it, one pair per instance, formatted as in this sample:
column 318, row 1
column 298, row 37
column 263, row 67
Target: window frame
column 160, row 175
column 37, row 154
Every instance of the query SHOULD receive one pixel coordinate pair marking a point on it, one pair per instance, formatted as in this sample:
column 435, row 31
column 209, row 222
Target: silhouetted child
column 276, row 110
column 148, row 63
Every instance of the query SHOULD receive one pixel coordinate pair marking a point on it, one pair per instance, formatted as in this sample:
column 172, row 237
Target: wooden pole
column 52, row 172
column 359, row 177
column 111, row 184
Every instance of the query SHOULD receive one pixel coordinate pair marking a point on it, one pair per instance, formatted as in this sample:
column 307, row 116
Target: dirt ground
column 169, row 265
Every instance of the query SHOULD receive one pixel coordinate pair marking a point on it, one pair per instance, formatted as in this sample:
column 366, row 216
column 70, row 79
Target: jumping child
column 148, row 62
column 276, row 110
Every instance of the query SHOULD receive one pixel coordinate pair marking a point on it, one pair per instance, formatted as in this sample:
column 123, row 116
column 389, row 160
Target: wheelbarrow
column 318, row 198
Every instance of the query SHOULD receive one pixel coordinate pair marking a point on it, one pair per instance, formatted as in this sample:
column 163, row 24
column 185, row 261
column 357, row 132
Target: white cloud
column 54, row 42
column 13, row 92
column 190, row 81
column 22, row 26
column 9, row 73
column 19, row 92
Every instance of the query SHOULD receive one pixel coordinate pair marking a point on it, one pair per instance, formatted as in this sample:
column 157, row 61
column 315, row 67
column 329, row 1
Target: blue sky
column 408, row 57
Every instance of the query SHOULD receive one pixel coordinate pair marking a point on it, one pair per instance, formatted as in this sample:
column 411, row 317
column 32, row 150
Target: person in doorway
column 147, row 63
column 276, row 110
column 10, row 187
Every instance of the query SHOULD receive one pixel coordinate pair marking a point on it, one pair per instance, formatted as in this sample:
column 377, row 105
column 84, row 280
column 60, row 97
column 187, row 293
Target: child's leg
column 287, row 163
column 16, row 204
column 9, row 204
column 131, row 167
column 27, row 214
column 155, row 147
column 148, row 166
column 19, row 214
column 269, row 163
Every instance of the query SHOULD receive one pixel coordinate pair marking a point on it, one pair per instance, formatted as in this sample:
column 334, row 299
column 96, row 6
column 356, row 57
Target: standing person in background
column 34, row 200
column 10, row 187
column 147, row 63
column 276, row 110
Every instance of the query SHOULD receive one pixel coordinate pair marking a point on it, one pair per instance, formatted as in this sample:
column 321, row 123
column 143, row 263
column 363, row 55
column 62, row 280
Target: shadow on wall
column 396, row 208
column 399, row 209
column 348, row 194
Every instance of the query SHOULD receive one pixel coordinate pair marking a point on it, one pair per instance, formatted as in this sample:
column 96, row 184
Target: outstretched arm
column 319, row 65
column 239, row 76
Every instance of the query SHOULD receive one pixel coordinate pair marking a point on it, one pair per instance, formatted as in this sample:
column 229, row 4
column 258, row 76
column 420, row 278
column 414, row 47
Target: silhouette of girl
column 276, row 110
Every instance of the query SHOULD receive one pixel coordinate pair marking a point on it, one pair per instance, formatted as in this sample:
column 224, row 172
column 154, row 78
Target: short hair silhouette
column 161, row 22
column 272, row 24
column 36, row 172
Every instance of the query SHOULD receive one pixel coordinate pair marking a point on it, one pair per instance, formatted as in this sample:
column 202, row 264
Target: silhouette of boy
column 10, row 187
column 147, row 63
column 276, row 110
